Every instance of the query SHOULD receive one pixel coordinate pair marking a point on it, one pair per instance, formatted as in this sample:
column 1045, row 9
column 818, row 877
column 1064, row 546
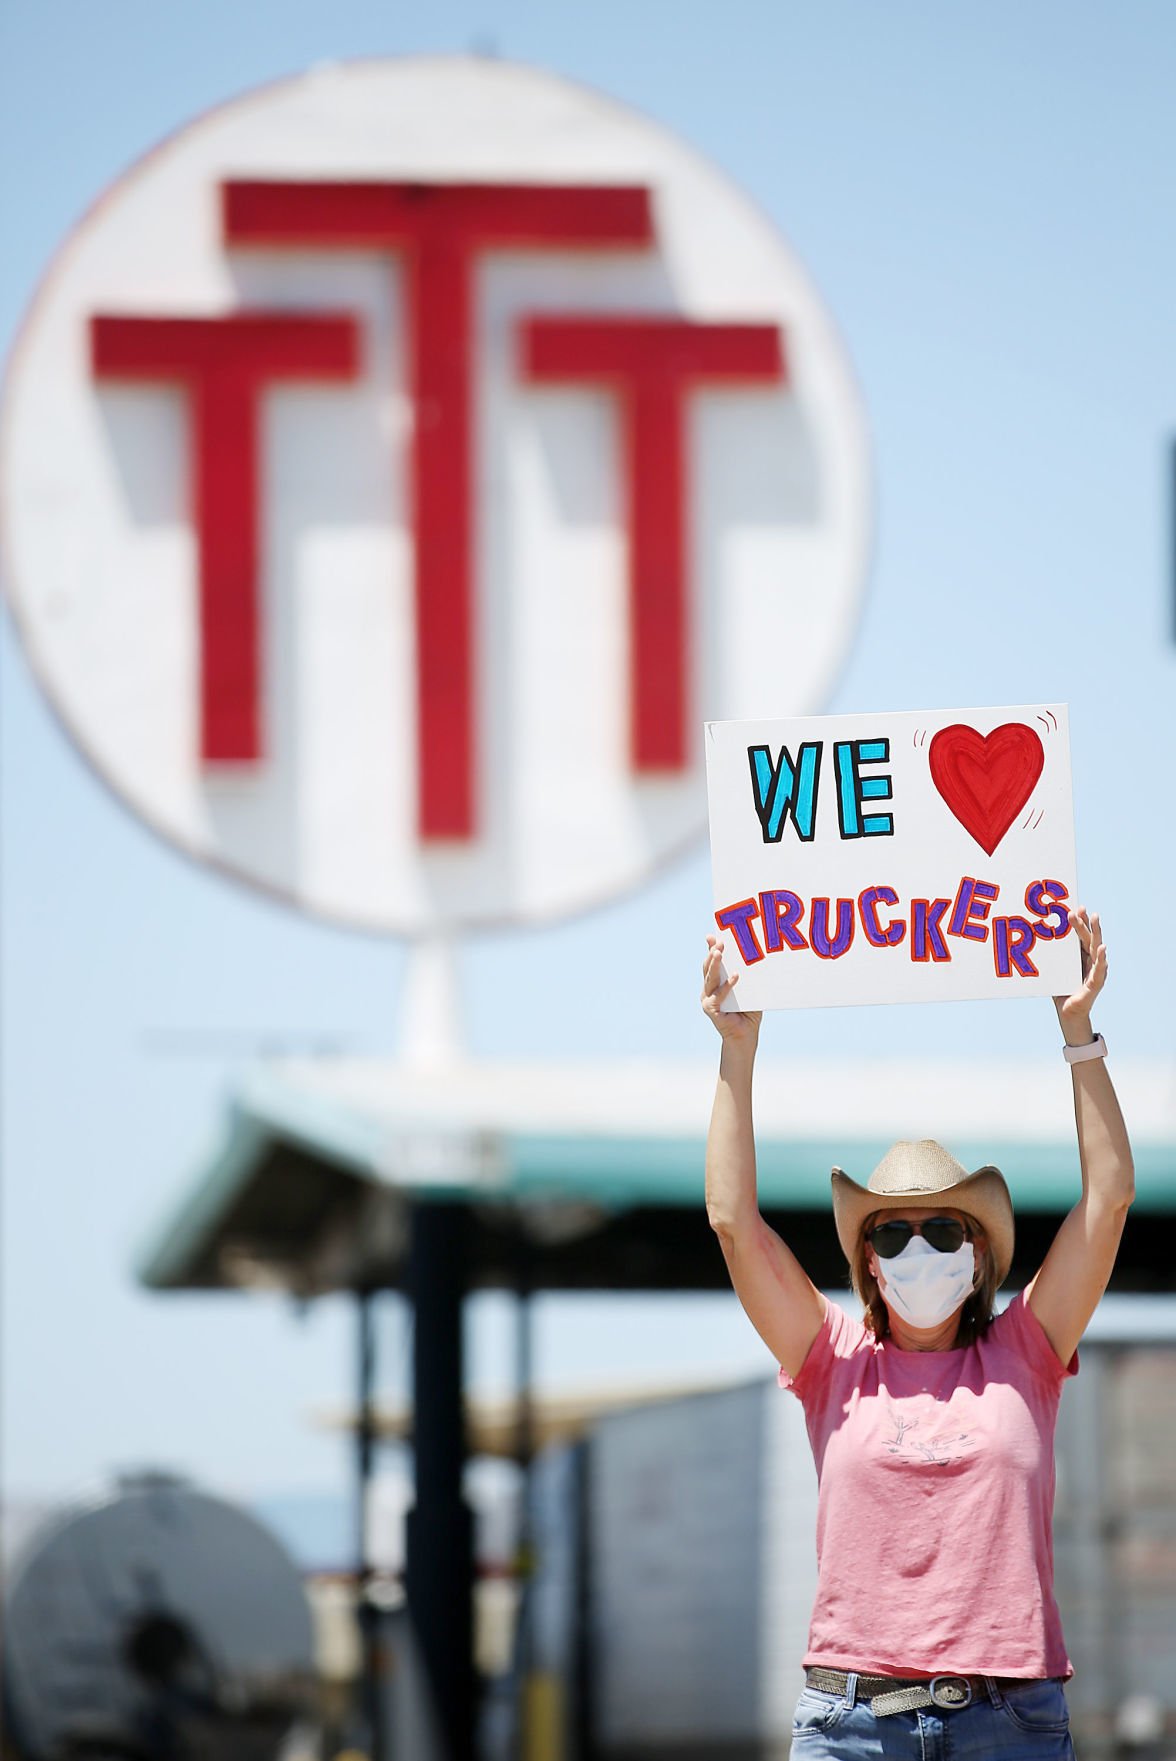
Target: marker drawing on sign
column 826, row 944
column 877, row 934
column 737, row 918
column 869, row 890
column 972, row 904
column 1012, row 938
column 854, row 789
column 986, row 779
column 785, row 787
column 1046, row 899
column 831, row 929
column 927, row 941
column 781, row 912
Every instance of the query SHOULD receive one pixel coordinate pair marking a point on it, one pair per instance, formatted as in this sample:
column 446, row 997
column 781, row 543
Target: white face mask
column 925, row 1286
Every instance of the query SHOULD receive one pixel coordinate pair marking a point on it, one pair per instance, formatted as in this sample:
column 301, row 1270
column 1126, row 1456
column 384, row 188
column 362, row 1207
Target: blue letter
column 777, row 787
column 853, row 788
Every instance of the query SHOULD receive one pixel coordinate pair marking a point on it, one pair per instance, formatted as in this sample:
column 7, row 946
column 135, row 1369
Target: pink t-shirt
column 935, row 1474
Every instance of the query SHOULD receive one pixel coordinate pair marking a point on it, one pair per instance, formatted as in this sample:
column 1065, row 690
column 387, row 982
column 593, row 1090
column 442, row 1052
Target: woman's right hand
column 735, row 1026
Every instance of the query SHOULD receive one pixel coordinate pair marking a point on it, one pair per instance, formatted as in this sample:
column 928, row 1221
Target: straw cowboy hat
column 926, row 1174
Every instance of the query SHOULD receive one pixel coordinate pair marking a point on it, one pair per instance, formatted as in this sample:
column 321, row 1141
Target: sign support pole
column 430, row 1012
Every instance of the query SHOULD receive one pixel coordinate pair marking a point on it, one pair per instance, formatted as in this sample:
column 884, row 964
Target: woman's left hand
column 1074, row 1010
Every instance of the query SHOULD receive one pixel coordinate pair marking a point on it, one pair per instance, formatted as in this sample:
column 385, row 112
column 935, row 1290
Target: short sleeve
column 1019, row 1330
column 838, row 1337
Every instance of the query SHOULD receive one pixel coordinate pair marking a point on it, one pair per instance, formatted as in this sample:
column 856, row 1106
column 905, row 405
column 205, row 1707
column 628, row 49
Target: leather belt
column 887, row 1693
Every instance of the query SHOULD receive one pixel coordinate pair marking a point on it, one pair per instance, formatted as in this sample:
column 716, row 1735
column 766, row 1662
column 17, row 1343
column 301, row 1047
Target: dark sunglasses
column 944, row 1234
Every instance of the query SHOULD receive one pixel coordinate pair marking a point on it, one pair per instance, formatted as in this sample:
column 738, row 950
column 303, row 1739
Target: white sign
column 398, row 465
column 894, row 858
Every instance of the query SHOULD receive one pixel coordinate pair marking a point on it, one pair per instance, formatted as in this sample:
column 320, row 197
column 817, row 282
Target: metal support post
column 372, row 1696
column 440, row 1552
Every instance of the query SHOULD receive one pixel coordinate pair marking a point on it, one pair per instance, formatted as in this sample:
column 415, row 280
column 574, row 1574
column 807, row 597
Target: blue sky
column 984, row 196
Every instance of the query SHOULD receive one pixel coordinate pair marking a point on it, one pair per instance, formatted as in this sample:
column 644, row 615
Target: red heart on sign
column 986, row 780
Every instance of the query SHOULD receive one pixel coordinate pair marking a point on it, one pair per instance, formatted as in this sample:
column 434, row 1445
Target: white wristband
column 1081, row 1054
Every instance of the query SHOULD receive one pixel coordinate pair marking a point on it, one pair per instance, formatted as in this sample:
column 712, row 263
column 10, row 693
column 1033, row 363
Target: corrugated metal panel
column 1115, row 1536
column 675, row 1562
column 788, row 1525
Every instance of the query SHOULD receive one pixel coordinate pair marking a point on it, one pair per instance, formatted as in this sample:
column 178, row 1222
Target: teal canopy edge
column 611, row 1171
column 794, row 1175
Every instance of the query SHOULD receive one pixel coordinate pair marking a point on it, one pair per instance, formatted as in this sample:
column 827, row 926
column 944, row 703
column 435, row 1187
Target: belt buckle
column 951, row 1692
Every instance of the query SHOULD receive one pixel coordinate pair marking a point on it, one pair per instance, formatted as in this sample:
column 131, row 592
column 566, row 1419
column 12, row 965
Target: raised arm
column 780, row 1300
column 1066, row 1291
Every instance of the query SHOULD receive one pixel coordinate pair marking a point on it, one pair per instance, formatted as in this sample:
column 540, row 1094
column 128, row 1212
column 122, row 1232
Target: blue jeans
column 1029, row 1722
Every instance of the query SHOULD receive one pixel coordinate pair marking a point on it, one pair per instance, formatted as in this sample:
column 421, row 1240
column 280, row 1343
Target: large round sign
column 400, row 463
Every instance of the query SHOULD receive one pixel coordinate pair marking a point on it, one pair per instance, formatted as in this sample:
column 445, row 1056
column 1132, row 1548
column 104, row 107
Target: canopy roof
column 591, row 1175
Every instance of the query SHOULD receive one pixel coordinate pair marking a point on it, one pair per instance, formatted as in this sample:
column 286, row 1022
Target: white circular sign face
column 400, row 464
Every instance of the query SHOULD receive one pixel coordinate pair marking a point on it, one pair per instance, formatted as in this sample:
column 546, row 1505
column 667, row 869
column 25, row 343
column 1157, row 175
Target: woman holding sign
column 935, row 1630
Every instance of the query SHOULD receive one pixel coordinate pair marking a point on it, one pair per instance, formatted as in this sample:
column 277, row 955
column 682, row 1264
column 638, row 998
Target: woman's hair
column 977, row 1311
